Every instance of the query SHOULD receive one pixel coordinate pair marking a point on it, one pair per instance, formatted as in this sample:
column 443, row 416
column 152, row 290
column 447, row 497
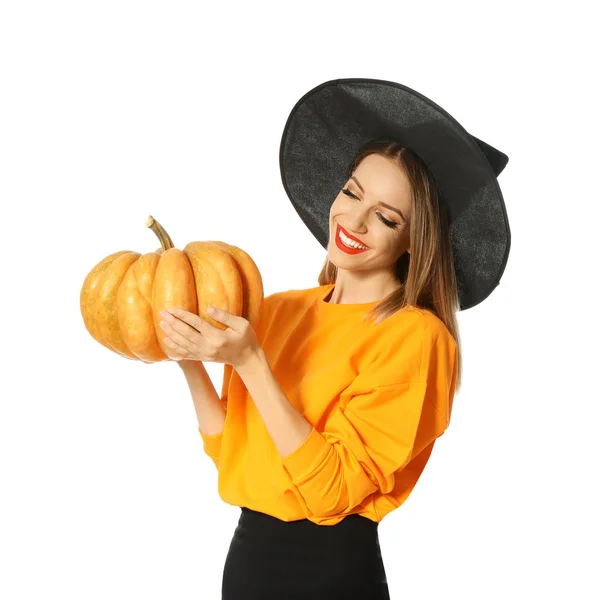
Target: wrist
column 189, row 364
column 253, row 364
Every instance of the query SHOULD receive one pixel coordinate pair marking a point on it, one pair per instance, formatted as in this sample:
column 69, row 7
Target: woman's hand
column 193, row 338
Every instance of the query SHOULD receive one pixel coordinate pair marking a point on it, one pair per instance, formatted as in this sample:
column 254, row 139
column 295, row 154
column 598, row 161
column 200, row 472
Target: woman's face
column 360, row 209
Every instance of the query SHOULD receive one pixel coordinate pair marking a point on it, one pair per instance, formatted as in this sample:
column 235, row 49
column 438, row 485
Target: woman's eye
column 385, row 221
column 390, row 224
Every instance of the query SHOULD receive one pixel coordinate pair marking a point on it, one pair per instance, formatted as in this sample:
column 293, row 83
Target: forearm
column 207, row 402
column 287, row 427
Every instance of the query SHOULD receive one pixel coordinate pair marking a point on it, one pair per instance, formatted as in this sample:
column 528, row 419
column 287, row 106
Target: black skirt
column 273, row 559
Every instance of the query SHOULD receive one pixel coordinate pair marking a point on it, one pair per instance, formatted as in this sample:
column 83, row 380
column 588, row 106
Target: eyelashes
column 385, row 221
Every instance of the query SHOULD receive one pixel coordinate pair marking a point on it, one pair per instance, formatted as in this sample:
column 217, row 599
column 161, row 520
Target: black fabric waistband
column 352, row 526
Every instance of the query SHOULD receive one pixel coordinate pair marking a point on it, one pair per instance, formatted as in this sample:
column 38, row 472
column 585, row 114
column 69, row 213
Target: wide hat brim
column 331, row 122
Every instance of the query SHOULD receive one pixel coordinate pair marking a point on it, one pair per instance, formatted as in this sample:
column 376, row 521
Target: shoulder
column 297, row 293
column 431, row 322
column 405, row 346
column 288, row 302
column 294, row 296
column 416, row 322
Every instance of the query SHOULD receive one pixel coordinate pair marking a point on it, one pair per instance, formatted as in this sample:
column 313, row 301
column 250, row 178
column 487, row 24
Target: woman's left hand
column 194, row 338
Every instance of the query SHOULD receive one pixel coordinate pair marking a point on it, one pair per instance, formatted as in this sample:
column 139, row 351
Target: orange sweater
column 377, row 396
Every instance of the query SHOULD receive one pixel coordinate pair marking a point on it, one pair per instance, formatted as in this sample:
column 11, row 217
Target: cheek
column 389, row 245
column 332, row 213
column 335, row 208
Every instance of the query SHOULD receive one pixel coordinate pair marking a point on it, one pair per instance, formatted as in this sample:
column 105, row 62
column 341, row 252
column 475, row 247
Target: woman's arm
column 377, row 429
column 288, row 427
column 209, row 410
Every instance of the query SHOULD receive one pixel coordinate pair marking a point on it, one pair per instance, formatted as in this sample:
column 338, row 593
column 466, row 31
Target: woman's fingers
column 181, row 334
column 177, row 353
column 204, row 328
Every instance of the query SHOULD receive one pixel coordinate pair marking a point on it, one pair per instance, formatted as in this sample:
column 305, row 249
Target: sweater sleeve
column 212, row 443
column 373, row 433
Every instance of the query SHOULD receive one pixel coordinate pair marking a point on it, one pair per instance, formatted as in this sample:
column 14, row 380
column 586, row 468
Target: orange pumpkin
column 122, row 296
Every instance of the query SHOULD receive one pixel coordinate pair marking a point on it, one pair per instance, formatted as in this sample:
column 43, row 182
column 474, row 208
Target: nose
column 355, row 220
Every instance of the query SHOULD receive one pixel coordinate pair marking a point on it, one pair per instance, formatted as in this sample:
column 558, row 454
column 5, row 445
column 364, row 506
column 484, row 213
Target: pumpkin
column 122, row 296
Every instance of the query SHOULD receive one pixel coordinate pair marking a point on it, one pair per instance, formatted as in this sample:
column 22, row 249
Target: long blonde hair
column 427, row 274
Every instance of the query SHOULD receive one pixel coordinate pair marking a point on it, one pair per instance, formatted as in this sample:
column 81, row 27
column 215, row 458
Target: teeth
column 348, row 242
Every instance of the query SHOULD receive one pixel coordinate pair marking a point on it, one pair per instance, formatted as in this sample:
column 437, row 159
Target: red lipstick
column 346, row 249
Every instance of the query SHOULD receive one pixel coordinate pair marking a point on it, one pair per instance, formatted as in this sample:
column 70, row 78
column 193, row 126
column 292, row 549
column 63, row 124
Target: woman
column 331, row 404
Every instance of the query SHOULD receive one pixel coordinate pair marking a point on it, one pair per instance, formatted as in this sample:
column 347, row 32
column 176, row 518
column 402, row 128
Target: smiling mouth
column 347, row 249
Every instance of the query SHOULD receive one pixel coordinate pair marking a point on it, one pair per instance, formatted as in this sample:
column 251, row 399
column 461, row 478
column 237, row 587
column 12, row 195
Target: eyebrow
column 382, row 203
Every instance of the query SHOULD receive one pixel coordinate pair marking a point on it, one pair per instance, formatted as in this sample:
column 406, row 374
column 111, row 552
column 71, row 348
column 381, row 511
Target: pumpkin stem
column 160, row 232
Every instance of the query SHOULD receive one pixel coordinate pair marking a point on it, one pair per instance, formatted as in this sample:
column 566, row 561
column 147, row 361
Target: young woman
column 331, row 404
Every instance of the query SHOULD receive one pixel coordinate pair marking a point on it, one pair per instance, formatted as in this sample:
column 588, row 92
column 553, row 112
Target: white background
column 113, row 111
